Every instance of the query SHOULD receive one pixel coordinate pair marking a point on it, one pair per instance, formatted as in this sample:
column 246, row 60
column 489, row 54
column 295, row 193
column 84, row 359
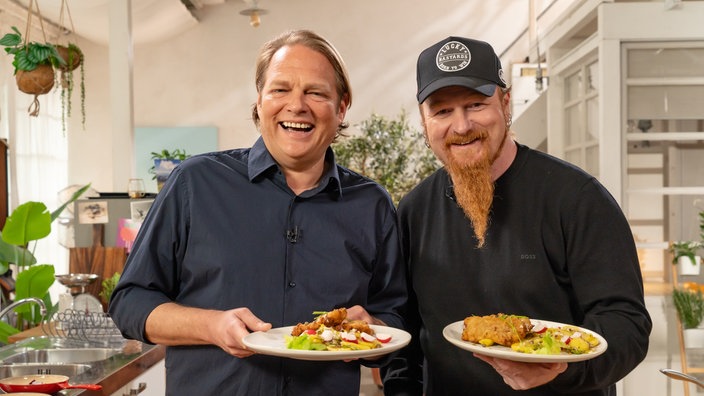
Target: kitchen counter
column 132, row 359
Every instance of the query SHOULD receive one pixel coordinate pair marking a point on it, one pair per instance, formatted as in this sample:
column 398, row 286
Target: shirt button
column 292, row 284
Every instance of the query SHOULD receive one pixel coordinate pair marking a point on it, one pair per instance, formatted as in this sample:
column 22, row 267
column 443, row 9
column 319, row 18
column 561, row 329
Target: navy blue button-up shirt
column 226, row 232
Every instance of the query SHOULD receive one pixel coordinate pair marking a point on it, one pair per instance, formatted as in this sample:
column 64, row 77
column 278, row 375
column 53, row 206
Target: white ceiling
column 152, row 20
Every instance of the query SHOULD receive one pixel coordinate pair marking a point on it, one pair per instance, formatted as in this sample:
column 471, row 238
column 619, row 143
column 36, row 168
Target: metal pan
column 48, row 383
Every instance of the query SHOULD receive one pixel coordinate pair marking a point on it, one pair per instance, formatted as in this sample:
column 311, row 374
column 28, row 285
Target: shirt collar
column 260, row 161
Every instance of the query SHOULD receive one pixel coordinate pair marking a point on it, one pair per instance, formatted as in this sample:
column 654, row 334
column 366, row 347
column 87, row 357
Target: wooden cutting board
column 97, row 259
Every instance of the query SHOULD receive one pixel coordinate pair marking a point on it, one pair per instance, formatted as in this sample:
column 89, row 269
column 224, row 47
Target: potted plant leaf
column 684, row 255
column 107, row 287
column 388, row 151
column 34, row 65
column 164, row 162
column 28, row 223
column 689, row 305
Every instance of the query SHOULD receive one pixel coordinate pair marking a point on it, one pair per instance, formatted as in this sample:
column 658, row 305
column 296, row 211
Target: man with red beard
column 502, row 228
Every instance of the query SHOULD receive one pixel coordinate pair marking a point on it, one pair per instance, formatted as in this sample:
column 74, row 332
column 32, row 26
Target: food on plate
column 499, row 329
column 526, row 336
column 555, row 340
column 331, row 331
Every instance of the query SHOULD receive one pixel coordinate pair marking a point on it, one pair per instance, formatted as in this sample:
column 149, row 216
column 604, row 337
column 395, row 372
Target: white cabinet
column 154, row 379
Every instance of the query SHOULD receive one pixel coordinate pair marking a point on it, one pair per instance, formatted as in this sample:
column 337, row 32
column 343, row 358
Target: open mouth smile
column 464, row 142
column 296, row 126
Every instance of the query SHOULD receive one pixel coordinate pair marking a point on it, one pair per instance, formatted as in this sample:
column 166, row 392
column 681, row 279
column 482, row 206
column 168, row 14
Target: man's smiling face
column 299, row 107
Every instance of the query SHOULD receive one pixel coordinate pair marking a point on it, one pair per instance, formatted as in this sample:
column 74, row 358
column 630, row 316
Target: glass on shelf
column 136, row 189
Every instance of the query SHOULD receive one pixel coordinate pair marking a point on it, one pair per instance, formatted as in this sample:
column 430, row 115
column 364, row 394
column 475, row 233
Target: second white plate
column 453, row 334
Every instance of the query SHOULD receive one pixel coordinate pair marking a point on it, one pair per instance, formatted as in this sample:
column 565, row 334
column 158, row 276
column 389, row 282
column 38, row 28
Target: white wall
column 204, row 76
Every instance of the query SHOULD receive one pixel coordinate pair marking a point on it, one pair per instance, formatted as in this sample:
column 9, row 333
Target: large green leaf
column 13, row 254
column 34, row 281
column 6, row 331
column 31, row 221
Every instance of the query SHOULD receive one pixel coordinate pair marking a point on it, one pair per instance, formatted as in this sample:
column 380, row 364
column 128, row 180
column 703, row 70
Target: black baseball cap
column 459, row 61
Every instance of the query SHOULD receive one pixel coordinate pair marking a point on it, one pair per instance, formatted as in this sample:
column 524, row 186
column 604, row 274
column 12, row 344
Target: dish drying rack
column 77, row 325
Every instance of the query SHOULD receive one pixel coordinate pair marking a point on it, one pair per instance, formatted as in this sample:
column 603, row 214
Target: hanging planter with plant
column 33, row 61
column 73, row 58
column 33, row 65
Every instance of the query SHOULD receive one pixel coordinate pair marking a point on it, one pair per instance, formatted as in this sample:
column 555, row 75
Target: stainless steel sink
column 73, row 355
column 20, row 369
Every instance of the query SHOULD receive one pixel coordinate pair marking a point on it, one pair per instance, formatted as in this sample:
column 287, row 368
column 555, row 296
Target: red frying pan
column 42, row 384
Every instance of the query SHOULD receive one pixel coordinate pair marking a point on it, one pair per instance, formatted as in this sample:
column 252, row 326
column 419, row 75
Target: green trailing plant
column 28, row 224
column 689, row 306
column 388, row 151
column 73, row 59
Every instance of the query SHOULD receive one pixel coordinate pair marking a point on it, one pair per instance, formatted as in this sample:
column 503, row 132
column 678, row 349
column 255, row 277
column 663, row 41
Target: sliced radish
column 349, row 337
column 383, row 338
column 310, row 331
column 539, row 328
column 368, row 337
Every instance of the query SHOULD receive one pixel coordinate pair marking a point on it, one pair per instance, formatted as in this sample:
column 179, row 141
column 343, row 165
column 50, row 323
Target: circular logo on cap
column 501, row 76
column 453, row 56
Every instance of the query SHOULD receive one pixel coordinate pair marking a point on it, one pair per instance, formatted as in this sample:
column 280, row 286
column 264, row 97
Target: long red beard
column 473, row 187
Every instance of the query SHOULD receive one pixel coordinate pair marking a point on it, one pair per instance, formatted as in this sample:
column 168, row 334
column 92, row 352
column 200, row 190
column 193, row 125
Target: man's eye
column 318, row 96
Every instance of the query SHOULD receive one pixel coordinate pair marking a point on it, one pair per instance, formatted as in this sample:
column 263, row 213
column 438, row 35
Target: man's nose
column 461, row 122
column 296, row 102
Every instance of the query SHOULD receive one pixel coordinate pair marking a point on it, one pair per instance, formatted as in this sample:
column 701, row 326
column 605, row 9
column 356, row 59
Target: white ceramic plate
column 273, row 343
column 453, row 333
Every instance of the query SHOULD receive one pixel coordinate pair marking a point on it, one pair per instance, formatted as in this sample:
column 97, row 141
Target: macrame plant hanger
column 65, row 10
column 37, row 83
column 73, row 58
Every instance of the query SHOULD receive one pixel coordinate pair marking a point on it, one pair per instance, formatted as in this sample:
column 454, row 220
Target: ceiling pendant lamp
column 254, row 13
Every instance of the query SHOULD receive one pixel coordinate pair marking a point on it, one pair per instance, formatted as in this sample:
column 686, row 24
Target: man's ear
column 342, row 109
column 507, row 98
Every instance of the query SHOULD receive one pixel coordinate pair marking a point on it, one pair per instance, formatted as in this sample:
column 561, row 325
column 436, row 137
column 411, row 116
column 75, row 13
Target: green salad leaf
column 304, row 342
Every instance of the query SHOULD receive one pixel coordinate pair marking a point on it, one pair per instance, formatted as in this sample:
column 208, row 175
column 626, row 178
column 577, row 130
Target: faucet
column 7, row 309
